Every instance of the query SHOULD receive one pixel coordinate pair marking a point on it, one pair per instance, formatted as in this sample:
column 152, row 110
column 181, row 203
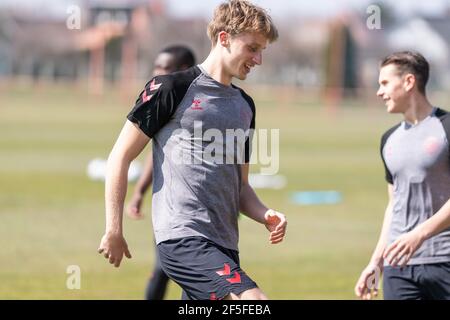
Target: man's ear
column 409, row 82
column 224, row 39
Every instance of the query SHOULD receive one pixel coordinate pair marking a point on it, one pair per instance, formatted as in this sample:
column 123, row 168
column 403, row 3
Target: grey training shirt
column 200, row 130
column 416, row 159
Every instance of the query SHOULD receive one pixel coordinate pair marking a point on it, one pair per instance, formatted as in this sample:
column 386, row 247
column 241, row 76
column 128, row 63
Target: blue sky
column 278, row 8
column 282, row 8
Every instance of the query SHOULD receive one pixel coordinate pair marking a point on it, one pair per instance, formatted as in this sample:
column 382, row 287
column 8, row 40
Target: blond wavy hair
column 238, row 16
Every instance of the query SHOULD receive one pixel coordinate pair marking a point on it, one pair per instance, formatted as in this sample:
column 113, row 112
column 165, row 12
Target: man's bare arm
column 251, row 206
column 129, row 144
column 364, row 289
column 142, row 185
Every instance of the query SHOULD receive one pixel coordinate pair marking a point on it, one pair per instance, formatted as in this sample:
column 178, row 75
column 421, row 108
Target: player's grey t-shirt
column 197, row 156
column 417, row 163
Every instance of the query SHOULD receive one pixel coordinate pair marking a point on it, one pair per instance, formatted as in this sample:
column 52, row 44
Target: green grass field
column 52, row 215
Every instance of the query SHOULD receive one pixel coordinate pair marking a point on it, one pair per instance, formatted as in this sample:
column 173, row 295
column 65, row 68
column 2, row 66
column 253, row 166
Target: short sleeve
column 155, row 105
column 248, row 141
column 388, row 175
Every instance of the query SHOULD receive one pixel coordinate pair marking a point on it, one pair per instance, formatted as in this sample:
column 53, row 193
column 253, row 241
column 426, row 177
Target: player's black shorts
column 205, row 270
column 417, row 282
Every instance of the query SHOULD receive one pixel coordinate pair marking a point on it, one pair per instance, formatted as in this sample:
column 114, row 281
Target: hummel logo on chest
column 196, row 104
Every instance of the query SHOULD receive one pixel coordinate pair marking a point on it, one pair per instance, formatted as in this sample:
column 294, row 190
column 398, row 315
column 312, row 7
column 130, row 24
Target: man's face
column 164, row 64
column 392, row 89
column 244, row 52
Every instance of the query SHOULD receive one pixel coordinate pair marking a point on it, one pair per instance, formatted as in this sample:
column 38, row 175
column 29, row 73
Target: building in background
column 118, row 40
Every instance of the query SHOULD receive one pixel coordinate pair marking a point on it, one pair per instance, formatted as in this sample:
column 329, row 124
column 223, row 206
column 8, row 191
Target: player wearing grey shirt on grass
column 200, row 181
column 414, row 245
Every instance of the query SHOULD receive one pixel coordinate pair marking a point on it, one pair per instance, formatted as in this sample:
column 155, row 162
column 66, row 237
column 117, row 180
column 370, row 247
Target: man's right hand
column 134, row 207
column 367, row 286
column 113, row 247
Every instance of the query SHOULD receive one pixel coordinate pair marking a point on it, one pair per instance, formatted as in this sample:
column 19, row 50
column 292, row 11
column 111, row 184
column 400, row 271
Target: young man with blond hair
column 197, row 198
column 414, row 246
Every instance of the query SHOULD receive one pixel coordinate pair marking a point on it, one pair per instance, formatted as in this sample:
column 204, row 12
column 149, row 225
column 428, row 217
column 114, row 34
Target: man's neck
column 419, row 108
column 214, row 67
